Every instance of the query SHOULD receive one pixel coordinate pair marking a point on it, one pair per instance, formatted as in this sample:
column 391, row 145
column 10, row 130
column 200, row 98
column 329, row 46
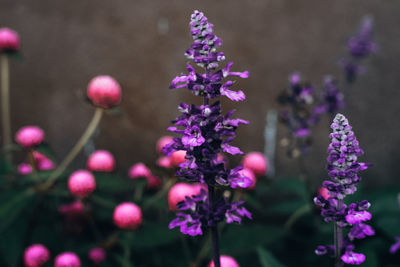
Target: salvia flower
column 36, row 255
column 343, row 168
column 332, row 98
column 104, row 91
column 205, row 132
column 359, row 46
column 9, row 40
column 226, row 261
column 81, row 183
column 67, row 259
column 128, row 216
column 101, row 161
column 29, row 136
column 196, row 214
column 396, row 246
column 97, row 255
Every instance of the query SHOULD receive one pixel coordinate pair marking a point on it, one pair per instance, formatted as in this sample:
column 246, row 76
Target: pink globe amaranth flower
column 163, row 141
column 322, row 191
column 178, row 157
column 153, row 182
column 9, row 40
column 97, row 255
column 226, row 261
column 179, row 191
column 29, row 136
column 139, row 170
column 104, row 91
column 128, row 216
column 256, row 162
column 102, row 161
column 24, row 168
column 67, row 259
column 43, row 163
column 36, row 255
column 164, row 162
column 81, row 183
column 73, row 208
column 249, row 174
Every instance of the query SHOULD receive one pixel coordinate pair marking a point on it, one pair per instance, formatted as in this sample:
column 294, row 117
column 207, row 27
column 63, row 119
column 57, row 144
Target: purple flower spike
column 343, row 168
column 353, row 258
column 359, row 46
column 205, row 133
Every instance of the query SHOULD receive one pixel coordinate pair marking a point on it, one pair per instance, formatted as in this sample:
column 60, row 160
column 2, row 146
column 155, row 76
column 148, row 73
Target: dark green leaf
column 267, row 259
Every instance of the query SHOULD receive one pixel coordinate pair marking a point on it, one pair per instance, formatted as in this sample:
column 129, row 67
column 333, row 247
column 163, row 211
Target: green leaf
column 12, row 242
column 108, row 183
column 267, row 259
column 240, row 239
column 152, row 235
column 292, row 185
column 13, row 204
column 287, row 207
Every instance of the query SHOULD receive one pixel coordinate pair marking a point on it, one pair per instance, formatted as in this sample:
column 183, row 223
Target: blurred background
column 141, row 43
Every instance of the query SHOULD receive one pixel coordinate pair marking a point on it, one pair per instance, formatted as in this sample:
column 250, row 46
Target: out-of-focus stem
column 5, row 105
column 338, row 238
column 77, row 148
column 214, row 229
column 32, row 162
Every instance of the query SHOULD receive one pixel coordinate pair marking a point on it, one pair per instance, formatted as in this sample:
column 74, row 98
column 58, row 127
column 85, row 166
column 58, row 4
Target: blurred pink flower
column 104, row 91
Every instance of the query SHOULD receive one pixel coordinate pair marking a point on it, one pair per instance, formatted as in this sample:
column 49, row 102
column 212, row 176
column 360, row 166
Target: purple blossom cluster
column 205, row 132
column 306, row 109
column 359, row 46
column 343, row 169
column 199, row 214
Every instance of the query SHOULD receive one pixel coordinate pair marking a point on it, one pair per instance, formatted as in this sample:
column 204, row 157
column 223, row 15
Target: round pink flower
column 139, row 170
column 29, row 136
column 24, row 168
column 226, row 261
column 81, row 183
column 102, row 161
column 322, row 191
column 36, row 255
column 73, row 208
column 9, row 40
column 67, row 259
column 153, row 182
column 179, row 192
column 43, row 163
column 163, row 141
column 249, row 174
column 128, row 216
column 104, row 91
column 256, row 162
column 97, row 255
column 178, row 157
column 164, row 162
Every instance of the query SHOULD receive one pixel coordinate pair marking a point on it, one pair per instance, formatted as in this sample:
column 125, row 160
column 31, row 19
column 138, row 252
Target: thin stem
column 338, row 238
column 214, row 229
column 32, row 162
column 77, row 148
column 5, row 104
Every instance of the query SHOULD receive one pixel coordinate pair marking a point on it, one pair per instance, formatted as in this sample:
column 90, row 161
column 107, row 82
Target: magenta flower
column 128, row 216
column 104, row 91
column 29, row 136
column 97, row 255
column 67, row 259
column 81, row 183
column 101, row 161
column 9, row 40
column 36, row 255
column 139, row 170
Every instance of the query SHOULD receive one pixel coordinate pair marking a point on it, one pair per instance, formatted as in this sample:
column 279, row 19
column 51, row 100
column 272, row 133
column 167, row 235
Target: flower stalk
column 214, row 229
column 5, row 104
column 91, row 128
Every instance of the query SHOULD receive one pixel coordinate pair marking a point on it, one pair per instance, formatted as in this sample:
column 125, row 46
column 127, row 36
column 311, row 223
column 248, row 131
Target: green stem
column 160, row 193
column 338, row 238
column 77, row 148
column 5, row 104
column 32, row 162
column 297, row 215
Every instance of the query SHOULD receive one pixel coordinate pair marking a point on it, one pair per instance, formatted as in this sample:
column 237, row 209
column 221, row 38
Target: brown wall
column 66, row 43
